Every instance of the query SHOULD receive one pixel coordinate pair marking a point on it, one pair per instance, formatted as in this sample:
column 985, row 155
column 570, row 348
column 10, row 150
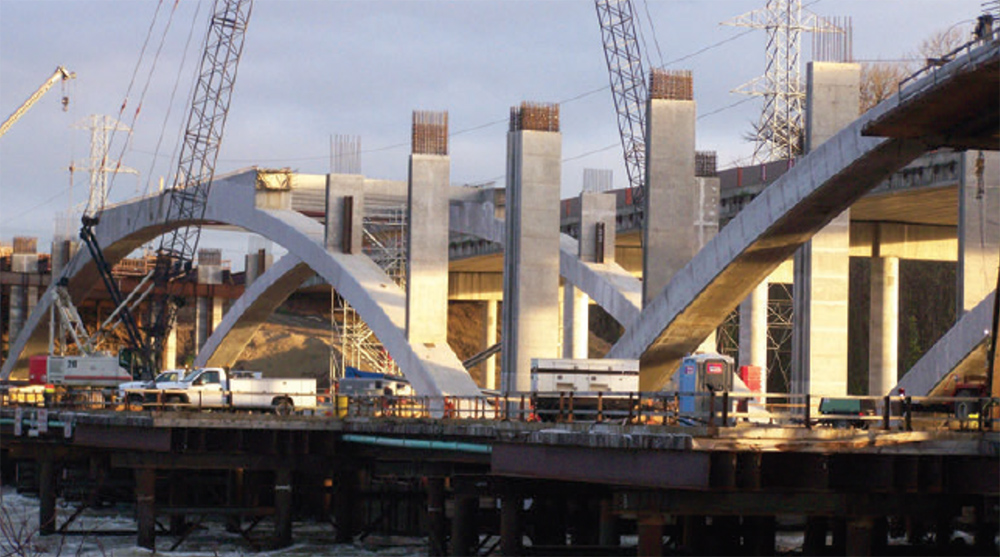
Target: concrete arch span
column 432, row 369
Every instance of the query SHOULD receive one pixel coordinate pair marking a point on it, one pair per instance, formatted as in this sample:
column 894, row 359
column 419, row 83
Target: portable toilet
column 701, row 373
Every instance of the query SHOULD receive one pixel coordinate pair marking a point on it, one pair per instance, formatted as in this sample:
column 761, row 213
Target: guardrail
column 705, row 409
column 934, row 64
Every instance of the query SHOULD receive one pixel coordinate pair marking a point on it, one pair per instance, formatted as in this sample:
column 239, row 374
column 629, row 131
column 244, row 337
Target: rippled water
column 19, row 536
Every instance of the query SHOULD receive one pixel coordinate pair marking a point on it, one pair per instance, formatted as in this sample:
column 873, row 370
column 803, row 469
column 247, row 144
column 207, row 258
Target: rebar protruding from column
column 597, row 180
column 430, row 133
column 345, row 152
column 531, row 116
column 25, row 245
column 671, row 85
column 834, row 46
column 705, row 164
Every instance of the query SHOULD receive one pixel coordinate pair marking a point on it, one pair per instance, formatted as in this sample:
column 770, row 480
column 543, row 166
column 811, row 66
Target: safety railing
column 705, row 409
column 933, row 66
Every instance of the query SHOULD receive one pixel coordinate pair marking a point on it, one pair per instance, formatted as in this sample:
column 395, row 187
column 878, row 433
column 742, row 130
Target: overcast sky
column 312, row 69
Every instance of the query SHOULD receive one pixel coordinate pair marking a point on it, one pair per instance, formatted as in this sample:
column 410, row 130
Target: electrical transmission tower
column 97, row 164
column 779, row 132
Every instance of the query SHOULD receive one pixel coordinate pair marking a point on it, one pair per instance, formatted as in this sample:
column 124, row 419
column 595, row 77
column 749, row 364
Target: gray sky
column 315, row 68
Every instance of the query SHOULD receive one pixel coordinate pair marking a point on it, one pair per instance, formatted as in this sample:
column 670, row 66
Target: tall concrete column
column 258, row 261
column 822, row 265
column 531, row 253
column 217, row 310
column 345, row 204
column 978, row 227
column 489, row 339
column 170, row 350
column 669, row 234
column 576, row 317
column 427, row 230
column 883, row 336
column 209, row 274
column 753, row 331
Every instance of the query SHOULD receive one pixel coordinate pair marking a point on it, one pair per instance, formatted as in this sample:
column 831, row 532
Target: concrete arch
column 609, row 285
column 245, row 316
column 434, row 370
column 961, row 350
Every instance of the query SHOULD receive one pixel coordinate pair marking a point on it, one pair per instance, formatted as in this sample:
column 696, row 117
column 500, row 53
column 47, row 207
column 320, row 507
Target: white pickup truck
column 218, row 388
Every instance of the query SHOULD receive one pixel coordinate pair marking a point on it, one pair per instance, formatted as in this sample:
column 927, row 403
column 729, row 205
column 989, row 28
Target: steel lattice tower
column 628, row 85
column 779, row 132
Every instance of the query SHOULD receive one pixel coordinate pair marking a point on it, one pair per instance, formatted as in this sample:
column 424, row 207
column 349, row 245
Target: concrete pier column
column 345, row 209
column 819, row 331
column 464, row 532
column 669, row 234
column 489, row 367
column 283, row 507
column 427, row 230
column 978, row 227
column 258, row 261
column 218, row 303
column 511, row 510
column 531, row 253
column 209, row 275
column 883, row 338
column 576, row 322
column 436, row 522
column 650, row 530
column 145, row 507
column 46, row 496
column 753, row 331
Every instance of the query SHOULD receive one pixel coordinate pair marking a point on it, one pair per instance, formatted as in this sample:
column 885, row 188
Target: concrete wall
column 531, row 256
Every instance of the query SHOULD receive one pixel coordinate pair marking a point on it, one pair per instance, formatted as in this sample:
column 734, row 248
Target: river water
column 19, row 536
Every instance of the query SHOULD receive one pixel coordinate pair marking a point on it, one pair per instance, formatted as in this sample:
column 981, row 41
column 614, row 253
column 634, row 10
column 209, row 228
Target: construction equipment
column 628, row 85
column 61, row 74
column 187, row 199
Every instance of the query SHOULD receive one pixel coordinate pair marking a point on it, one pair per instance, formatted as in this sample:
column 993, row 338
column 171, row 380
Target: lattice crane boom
column 187, row 198
column 628, row 85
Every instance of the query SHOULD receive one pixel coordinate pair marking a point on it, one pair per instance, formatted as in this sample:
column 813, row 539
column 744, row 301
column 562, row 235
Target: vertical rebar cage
column 673, row 85
column 532, row 116
column 429, row 133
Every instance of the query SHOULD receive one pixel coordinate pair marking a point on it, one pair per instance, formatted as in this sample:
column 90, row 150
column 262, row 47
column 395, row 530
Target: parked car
column 846, row 412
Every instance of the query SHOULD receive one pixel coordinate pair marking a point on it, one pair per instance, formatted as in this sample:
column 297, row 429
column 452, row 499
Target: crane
column 187, row 198
column 628, row 85
column 61, row 74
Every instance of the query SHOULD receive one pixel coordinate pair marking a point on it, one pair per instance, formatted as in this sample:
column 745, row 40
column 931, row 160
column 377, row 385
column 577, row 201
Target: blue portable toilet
column 701, row 373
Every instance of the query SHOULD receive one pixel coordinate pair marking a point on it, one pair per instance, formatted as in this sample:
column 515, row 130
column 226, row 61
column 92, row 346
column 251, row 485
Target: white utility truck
column 219, row 388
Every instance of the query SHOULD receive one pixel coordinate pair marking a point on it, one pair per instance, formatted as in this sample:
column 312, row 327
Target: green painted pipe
column 418, row 444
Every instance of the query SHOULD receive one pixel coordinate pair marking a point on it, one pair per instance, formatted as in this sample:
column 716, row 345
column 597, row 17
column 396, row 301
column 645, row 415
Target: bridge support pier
column 884, row 326
column 464, row 525
column 489, row 368
column 753, row 331
column 46, row 496
column 436, row 523
column 345, row 486
column 576, row 317
column 511, row 511
column 145, row 507
column 531, row 253
column 283, row 507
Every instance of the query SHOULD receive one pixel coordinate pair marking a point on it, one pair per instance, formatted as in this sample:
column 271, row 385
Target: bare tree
column 880, row 80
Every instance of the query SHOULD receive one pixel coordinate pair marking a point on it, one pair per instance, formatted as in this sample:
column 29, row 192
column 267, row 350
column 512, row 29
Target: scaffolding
column 384, row 241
